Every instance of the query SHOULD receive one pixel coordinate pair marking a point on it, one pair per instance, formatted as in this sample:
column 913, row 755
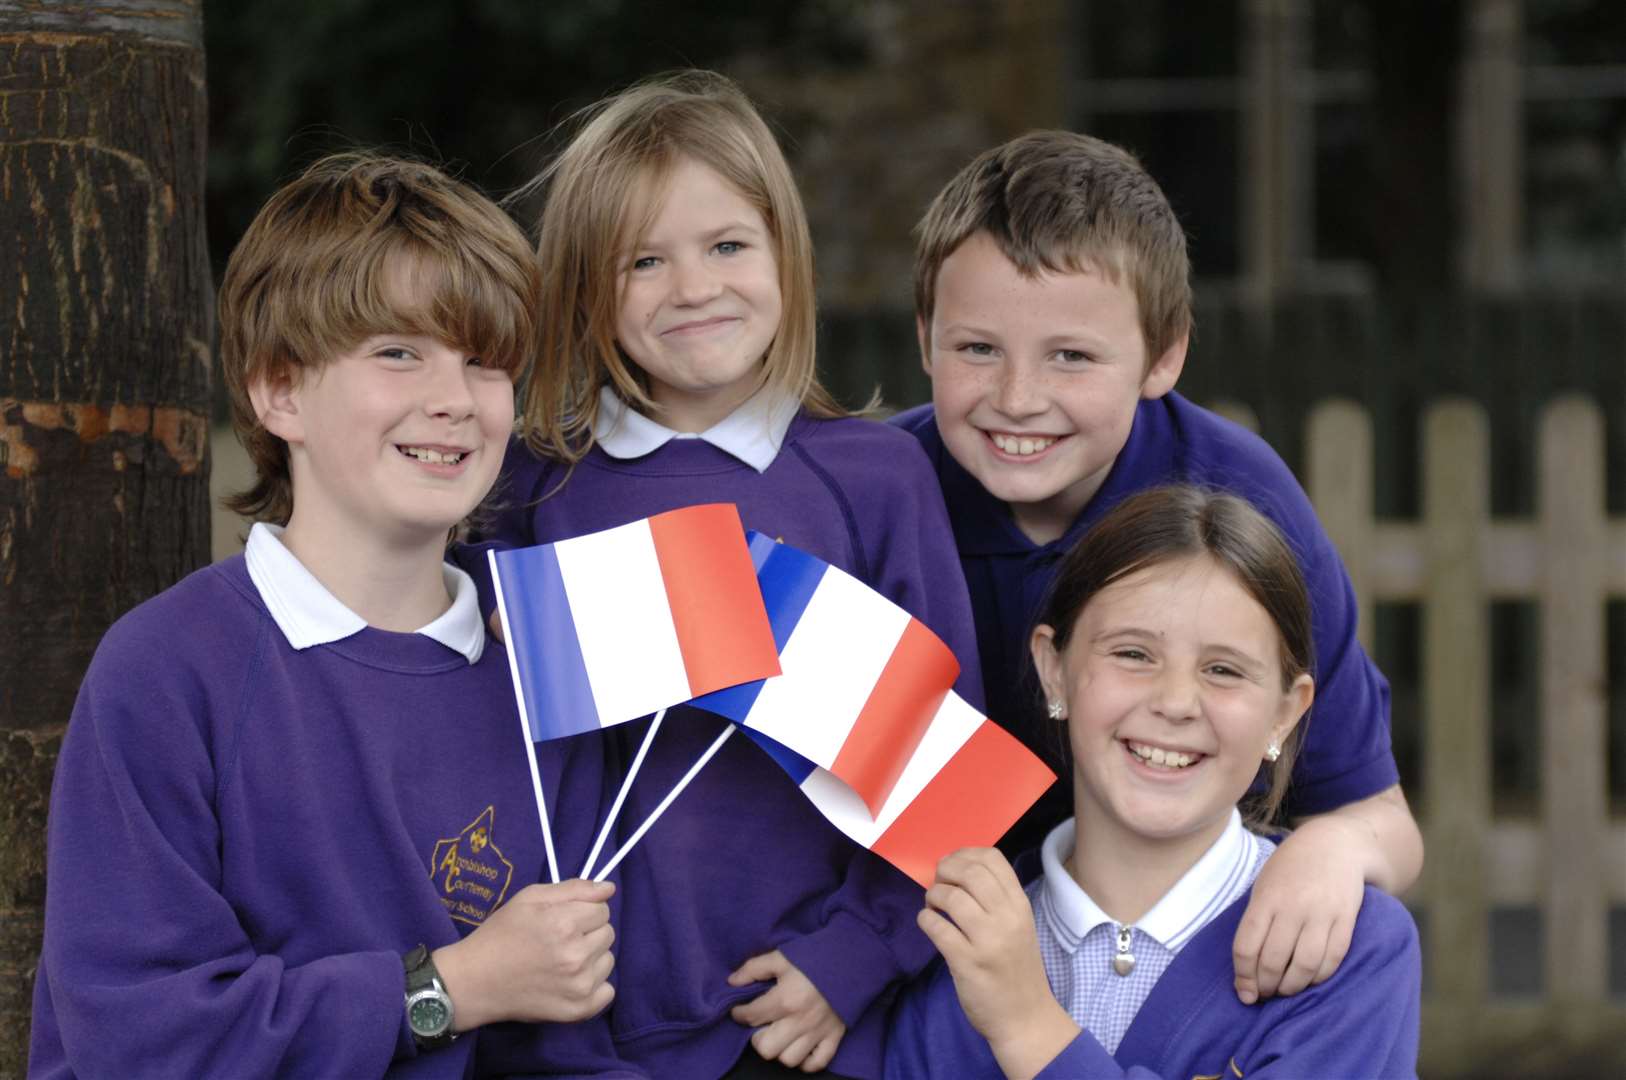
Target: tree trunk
column 104, row 381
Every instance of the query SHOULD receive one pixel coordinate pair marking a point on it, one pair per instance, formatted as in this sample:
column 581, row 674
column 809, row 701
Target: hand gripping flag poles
column 847, row 692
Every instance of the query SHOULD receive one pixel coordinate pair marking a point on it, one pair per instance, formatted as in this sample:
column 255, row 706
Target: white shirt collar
column 753, row 432
column 307, row 614
column 1201, row 893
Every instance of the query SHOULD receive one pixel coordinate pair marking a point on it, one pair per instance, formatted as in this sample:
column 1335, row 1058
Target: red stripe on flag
column 971, row 801
column 912, row 686
column 722, row 627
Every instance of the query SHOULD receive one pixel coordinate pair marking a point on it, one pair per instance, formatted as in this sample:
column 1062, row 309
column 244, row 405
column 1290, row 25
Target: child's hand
column 1298, row 924
column 495, row 622
column 544, row 955
column 992, row 950
column 794, row 1024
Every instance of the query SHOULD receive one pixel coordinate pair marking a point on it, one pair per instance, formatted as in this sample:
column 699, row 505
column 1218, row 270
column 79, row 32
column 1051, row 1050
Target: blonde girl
column 678, row 368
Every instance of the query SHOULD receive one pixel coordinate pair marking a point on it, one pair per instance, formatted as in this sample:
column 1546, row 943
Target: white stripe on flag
column 623, row 621
column 954, row 723
column 831, row 664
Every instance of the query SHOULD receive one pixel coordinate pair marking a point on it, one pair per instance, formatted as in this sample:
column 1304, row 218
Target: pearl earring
column 1272, row 752
column 1057, row 711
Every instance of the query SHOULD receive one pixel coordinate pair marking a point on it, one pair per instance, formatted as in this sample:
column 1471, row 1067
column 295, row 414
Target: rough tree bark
column 104, row 379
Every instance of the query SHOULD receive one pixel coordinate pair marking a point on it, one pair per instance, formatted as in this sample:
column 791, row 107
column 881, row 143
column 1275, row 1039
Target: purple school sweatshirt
column 1362, row 1022
column 244, row 839
column 1345, row 754
column 743, row 864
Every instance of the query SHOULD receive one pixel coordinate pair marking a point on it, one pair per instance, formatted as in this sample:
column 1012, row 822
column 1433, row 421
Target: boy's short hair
column 323, row 266
column 1060, row 202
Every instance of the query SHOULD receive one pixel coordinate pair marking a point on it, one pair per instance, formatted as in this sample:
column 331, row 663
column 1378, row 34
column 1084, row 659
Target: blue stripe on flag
column 558, row 696
column 788, row 579
column 760, row 546
column 793, row 763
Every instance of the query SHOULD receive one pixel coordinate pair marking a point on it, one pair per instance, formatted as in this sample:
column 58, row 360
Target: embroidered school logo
column 470, row 872
column 1219, row 1075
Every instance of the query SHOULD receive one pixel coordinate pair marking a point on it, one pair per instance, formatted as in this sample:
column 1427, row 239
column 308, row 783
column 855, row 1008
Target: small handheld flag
column 611, row 626
column 861, row 679
column 964, row 785
column 614, row 625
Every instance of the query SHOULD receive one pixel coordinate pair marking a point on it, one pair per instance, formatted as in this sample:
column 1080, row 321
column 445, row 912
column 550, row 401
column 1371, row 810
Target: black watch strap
column 428, row 1006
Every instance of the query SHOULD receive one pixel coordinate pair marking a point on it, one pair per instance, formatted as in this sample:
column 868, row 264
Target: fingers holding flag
column 979, row 918
column 543, row 956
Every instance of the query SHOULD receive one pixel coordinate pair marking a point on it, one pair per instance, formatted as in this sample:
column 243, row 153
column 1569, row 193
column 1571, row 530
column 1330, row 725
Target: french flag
column 860, row 682
column 966, row 783
column 614, row 625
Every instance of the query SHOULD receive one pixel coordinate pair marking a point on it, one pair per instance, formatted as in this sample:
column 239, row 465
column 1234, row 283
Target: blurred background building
column 1395, row 203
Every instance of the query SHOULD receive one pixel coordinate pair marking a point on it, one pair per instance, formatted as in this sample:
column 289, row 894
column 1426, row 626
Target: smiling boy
column 1053, row 307
column 292, row 829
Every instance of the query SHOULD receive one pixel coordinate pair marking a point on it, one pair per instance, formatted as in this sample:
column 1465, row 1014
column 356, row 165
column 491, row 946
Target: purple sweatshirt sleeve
column 1346, row 753
column 866, row 941
column 147, row 960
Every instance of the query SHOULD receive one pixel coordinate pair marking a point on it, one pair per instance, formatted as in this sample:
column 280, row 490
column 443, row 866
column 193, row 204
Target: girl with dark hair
column 1176, row 650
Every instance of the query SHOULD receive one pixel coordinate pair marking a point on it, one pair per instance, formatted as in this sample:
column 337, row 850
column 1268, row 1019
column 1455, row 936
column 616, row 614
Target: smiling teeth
column 432, row 457
column 1169, row 759
column 1021, row 445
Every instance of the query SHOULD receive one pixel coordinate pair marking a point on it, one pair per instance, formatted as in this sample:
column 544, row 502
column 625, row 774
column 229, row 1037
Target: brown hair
column 1056, row 201
column 1179, row 521
column 624, row 147
column 320, row 269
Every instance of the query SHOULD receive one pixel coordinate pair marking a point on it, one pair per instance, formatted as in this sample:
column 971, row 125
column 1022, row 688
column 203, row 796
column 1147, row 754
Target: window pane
column 1575, row 189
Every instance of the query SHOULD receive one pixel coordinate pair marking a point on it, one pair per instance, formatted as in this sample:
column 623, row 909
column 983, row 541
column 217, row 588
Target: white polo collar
column 1212, row 883
column 308, row 614
column 753, row 432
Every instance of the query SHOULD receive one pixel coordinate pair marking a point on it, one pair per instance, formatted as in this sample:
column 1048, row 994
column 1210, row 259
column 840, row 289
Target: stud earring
column 1272, row 752
column 1057, row 711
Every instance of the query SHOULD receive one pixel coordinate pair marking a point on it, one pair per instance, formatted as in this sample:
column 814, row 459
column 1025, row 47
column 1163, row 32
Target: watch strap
column 423, row 980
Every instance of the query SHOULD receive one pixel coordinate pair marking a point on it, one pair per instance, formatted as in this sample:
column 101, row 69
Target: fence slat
column 1456, row 705
column 1339, row 449
column 1574, row 780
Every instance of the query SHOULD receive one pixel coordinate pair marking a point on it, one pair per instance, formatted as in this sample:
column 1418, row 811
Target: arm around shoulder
column 1364, row 1020
column 1385, row 838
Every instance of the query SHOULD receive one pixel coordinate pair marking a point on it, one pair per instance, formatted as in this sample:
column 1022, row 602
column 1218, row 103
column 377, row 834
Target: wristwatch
column 428, row 1006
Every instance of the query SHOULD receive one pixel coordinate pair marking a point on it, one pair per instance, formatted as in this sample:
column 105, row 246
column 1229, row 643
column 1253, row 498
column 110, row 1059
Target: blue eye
column 977, row 348
column 729, row 247
column 644, row 263
column 1073, row 356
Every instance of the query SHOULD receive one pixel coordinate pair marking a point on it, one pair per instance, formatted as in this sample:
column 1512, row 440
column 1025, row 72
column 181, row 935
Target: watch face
column 428, row 1015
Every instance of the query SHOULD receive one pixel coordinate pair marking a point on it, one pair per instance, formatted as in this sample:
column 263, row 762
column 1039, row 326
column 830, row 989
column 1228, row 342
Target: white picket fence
column 1570, row 862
